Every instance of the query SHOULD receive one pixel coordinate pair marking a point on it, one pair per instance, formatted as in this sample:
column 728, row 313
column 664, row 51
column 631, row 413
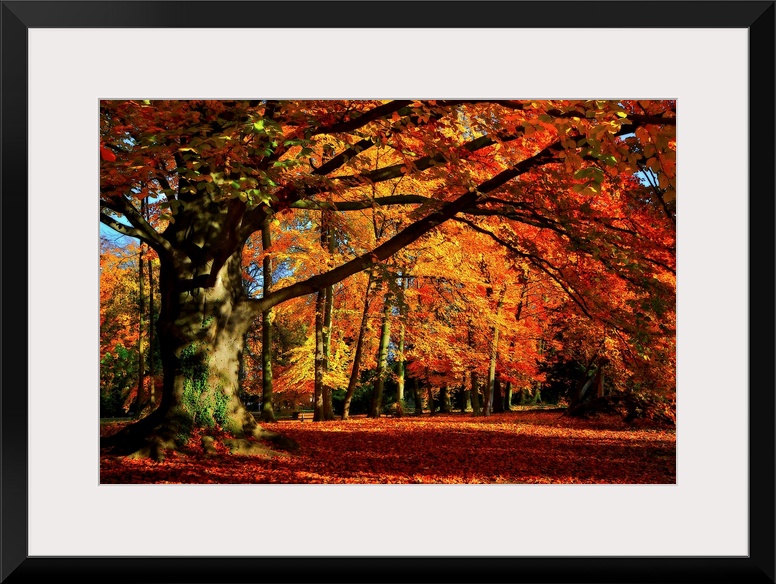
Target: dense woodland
column 263, row 259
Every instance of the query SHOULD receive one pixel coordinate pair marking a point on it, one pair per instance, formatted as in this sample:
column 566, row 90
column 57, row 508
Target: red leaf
column 107, row 154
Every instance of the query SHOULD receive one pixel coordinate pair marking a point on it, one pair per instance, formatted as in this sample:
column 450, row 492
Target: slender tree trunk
column 354, row 372
column 445, row 407
column 140, row 400
column 475, row 394
column 418, row 397
column 400, row 368
column 508, row 397
column 578, row 390
column 431, row 405
column 152, row 397
column 465, row 395
column 382, row 360
column 401, row 365
column 599, row 381
column 319, row 414
column 489, row 388
column 267, row 410
column 327, row 242
column 498, row 396
column 328, row 410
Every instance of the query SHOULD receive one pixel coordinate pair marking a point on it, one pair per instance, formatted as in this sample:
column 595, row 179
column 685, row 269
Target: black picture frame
column 18, row 16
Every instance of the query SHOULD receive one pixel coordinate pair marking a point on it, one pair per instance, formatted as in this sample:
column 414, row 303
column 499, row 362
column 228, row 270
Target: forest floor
column 527, row 446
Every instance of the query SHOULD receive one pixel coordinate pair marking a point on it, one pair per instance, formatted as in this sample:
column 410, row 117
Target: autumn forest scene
column 387, row 291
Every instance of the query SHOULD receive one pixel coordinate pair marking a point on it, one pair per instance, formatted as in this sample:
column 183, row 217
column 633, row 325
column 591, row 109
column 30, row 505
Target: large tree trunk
column 357, row 356
column 382, row 360
column 201, row 331
column 267, row 411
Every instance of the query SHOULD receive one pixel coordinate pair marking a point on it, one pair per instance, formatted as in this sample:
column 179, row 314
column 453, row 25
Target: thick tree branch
column 380, row 111
column 343, row 157
column 364, row 204
column 395, row 171
column 149, row 234
column 123, row 229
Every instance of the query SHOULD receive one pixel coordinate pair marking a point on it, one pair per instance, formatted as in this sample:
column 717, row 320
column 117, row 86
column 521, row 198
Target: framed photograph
column 711, row 520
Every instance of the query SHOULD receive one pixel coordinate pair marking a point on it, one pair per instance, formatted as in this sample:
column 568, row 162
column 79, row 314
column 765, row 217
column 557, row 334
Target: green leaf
column 259, row 126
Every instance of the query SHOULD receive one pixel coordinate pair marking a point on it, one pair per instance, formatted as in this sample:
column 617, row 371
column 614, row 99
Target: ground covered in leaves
column 515, row 447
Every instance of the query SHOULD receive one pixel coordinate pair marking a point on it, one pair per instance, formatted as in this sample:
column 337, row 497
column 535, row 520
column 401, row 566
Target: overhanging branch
column 122, row 228
column 142, row 228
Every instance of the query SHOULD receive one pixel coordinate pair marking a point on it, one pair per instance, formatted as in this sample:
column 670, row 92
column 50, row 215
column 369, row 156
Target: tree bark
column 327, row 241
column 599, row 381
column 498, row 396
column 578, row 390
column 465, row 395
column 445, row 407
column 328, row 393
column 152, row 397
column 489, row 388
column 319, row 414
column 508, row 397
column 382, row 360
column 475, row 395
column 267, row 410
column 401, row 364
column 140, row 399
column 354, row 372
column 418, row 398
column 400, row 367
